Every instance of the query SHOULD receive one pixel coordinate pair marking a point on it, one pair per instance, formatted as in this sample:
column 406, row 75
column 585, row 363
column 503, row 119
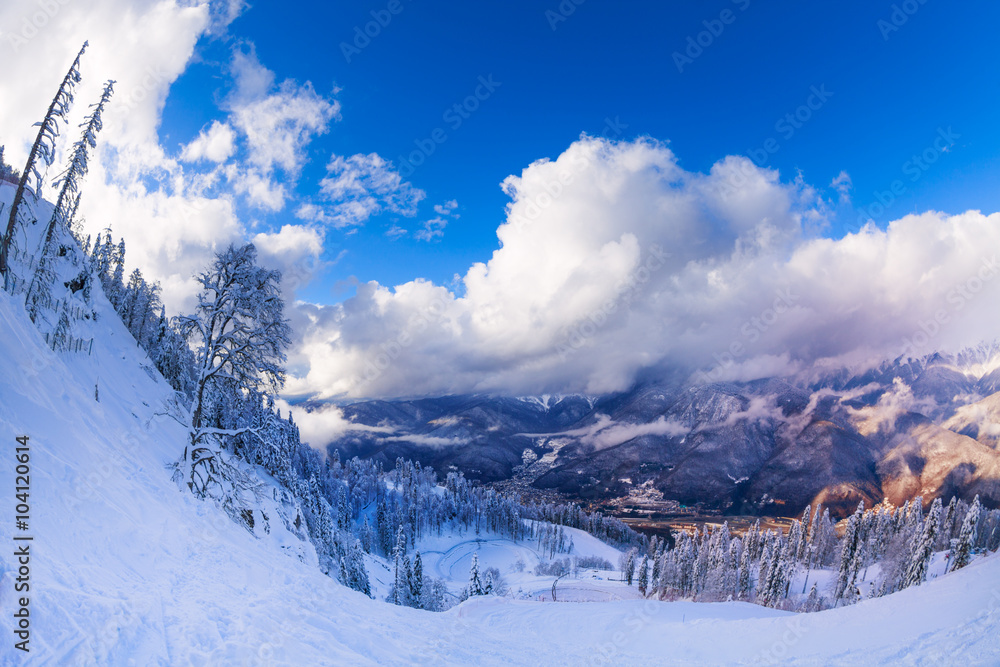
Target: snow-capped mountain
column 906, row 427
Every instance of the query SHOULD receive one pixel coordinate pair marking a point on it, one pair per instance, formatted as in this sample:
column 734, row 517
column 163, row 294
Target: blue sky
column 892, row 90
column 709, row 224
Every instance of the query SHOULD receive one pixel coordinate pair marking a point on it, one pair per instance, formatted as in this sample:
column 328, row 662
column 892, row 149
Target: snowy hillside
column 126, row 569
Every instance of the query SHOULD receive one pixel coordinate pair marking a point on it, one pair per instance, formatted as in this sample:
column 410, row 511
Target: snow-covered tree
column 42, row 151
column 475, row 581
column 626, row 564
column 241, row 336
column 493, row 582
column 644, row 575
column 967, row 536
column 417, row 580
column 66, row 205
column 920, row 556
column 850, row 553
column 744, row 576
column 357, row 573
column 433, row 597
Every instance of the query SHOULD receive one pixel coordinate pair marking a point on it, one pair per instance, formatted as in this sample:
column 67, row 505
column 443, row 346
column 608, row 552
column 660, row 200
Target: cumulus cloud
column 276, row 123
column 615, row 262
column 215, row 144
column 295, row 251
column 360, row 186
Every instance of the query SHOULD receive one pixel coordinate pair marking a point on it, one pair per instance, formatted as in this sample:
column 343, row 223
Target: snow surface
column 128, row 570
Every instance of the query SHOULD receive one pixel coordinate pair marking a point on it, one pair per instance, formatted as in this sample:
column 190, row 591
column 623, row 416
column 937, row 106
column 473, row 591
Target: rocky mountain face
column 901, row 429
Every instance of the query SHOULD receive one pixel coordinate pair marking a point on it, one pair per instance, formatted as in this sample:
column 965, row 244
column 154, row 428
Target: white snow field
column 125, row 569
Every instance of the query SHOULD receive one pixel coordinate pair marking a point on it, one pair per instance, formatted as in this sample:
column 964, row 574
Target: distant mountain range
column 927, row 427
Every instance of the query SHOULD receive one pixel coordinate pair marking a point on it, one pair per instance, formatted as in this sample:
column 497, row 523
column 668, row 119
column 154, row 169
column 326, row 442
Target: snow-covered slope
column 128, row 570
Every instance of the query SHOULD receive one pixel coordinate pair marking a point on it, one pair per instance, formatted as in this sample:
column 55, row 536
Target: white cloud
column 434, row 228
column 279, row 127
column 843, row 185
column 426, row 440
column 360, row 186
column 276, row 125
column 216, row 144
column 395, row 232
column 324, row 425
column 446, row 208
column 615, row 260
column 605, row 432
column 295, row 251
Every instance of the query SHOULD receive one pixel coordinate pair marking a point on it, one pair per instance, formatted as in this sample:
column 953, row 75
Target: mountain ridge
column 765, row 446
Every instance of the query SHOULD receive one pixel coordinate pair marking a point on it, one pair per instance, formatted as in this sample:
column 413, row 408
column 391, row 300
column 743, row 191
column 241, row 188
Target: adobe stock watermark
column 585, row 328
column 697, row 44
column 751, row 331
column 957, row 297
column 608, row 653
column 364, row 34
column 152, row 78
column 787, row 126
column 33, row 22
column 553, row 189
column 778, row 651
column 914, row 168
column 454, row 117
column 899, row 16
column 562, row 12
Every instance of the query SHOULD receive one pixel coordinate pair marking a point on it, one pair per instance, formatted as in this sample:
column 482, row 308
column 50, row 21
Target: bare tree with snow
column 42, row 151
column 241, row 337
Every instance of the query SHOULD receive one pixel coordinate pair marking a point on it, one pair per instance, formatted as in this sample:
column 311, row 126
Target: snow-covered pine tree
column 920, row 556
column 66, row 205
column 383, row 528
column 826, row 540
column 627, row 565
column 794, row 542
column 654, row 578
column 417, row 581
column 805, row 537
column 743, row 578
column 847, row 571
column 812, row 601
column 357, row 573
column 475, row 581
column 42, row 151
column 966, row 537
column 775, row 582
column 644, row 575
column 433, row 598
column 948, row 523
